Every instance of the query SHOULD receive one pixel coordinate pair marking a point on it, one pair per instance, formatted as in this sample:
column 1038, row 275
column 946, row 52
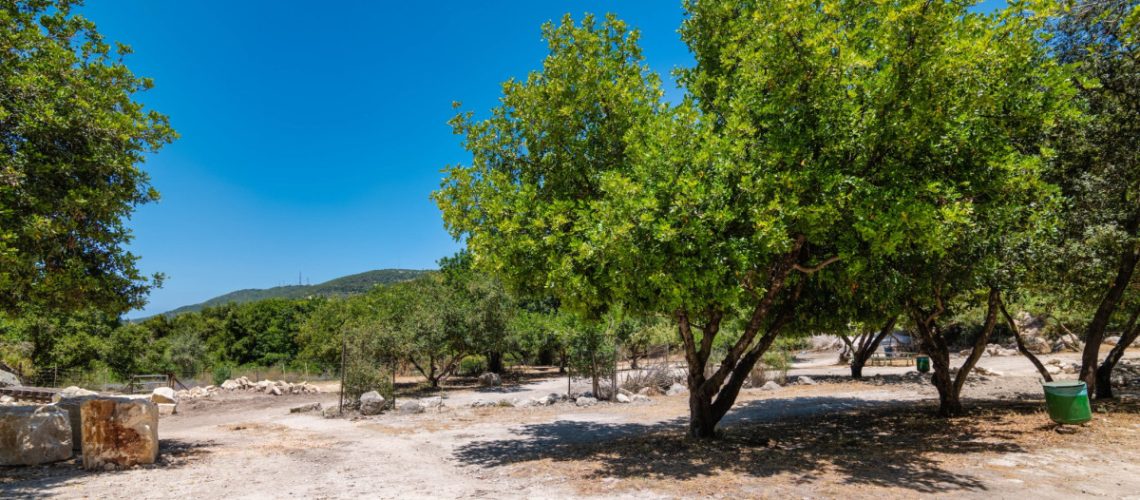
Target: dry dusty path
column 250, row 446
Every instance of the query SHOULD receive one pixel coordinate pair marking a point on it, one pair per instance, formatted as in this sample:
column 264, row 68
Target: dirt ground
column 839, row 438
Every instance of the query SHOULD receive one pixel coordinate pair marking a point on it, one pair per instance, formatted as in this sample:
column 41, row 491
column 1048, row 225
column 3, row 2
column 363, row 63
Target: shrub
column 222, row 373
column 471, row 366
column 361, row 378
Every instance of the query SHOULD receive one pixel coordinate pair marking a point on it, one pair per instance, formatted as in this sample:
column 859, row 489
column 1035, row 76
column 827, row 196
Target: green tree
column 1098, row 168
column 72, row 138
column 817, row 133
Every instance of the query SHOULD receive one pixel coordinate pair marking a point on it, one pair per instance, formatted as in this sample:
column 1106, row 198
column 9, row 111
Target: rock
column 1112, row 340
column 543, row 401
column 1037, row 345
column 72, row 392
column 490, row 379
column 274, row 390
column 8, row 379
column 7, row 400
column 411, row 407
column 481, row 403
column 640, row 398
column 330, row 412
column 119, row 433
column 622, row 398
column 1053, row 369
column 72, row 406
column 803, row 380
column 34, row 435
column 1067, row 342
column 644, row 391
column 307, row 408
column 371, row 403
column 771, row 386
column 231, row 385
column 163, row 395
column 676, row 389
column 988, row 372
column 432, row 402
column 586, row 401
column 166, row 409
column 505, row 403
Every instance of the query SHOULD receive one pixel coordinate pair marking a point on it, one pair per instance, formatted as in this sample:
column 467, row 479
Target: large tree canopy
column 72, row 137
column 819, row 140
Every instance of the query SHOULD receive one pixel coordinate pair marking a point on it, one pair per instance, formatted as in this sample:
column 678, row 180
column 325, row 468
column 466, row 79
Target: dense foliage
column 72, row 138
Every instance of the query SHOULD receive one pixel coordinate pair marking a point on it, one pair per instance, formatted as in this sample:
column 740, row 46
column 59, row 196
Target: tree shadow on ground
column 895, row 445
column 37, row 481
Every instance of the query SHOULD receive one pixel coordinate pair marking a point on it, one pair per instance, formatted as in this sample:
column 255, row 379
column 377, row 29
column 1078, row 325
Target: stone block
column 34, row 435
column 119, row 432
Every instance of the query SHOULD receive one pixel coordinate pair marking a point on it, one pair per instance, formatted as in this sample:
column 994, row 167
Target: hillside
column 345, row 285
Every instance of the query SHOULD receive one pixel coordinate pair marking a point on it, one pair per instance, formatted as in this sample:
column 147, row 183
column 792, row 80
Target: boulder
column 622, row 398
column 802, row 380
column 1053, row 369
column 71, row 392
column 586, row 401
column 72, row 406
column 163, row 395
column 34, row 435
column 119, row 432
column 770, row 386
column 7, row 400
column 307, row 408
column 273, row 390
column 490, row 379
column 1037, row 345
column 330, row 412
column 231, row 385
column 676, row 389
column 640, row 398
column 167, row 409
column 1113, row 340
column 371, row 403
column 8, row 379
column 411, row 407
column 1067, row 342
column 988, row 372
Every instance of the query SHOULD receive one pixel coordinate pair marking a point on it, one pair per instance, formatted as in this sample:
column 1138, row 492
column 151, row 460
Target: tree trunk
column 726, row 381
column 1104, row 312
column 495, row 362
column 1021, row 345
column 702, row 424
column 867, row 346
column 1104, row 372
column 950, row 387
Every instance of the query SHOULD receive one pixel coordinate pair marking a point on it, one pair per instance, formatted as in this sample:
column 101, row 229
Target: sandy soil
column 840, row 438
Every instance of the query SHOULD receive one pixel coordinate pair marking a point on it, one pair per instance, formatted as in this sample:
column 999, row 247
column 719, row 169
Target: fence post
column 55, row 376
column 343, row 345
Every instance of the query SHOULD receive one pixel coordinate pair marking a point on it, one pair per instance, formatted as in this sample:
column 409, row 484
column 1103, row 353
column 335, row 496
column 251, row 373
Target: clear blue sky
column 313, row 133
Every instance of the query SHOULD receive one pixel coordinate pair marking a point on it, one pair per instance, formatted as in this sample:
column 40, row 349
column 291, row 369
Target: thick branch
column 1021, row 344
column 812, row 270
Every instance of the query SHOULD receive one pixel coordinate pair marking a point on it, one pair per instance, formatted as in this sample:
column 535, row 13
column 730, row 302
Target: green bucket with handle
column 1068, row 401
column 922, row 364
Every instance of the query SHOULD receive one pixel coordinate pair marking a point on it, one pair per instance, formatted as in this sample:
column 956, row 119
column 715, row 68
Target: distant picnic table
column 893, row 356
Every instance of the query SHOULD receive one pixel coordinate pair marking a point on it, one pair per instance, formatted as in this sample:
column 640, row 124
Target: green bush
column 471, row 366
column 362, row 377
column 222, row 373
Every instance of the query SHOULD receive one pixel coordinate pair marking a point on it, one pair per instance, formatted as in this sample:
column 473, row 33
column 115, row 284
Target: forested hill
column 345, row 285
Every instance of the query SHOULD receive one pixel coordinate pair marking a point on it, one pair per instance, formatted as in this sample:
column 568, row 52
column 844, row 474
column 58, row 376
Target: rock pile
column 1126, row 373
column 1057, row 367
column 275, row 388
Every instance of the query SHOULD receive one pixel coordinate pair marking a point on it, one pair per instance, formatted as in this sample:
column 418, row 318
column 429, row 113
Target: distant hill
column 346, row 285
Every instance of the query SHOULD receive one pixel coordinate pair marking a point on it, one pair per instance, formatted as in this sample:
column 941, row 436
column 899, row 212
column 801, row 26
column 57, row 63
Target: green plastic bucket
column 1068, row 402
column 922, row 363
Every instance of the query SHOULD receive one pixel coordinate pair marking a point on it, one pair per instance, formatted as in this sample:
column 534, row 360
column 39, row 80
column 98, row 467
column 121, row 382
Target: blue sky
column 312, row 135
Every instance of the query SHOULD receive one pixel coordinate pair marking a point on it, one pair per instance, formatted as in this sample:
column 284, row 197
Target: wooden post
column 343, row 345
